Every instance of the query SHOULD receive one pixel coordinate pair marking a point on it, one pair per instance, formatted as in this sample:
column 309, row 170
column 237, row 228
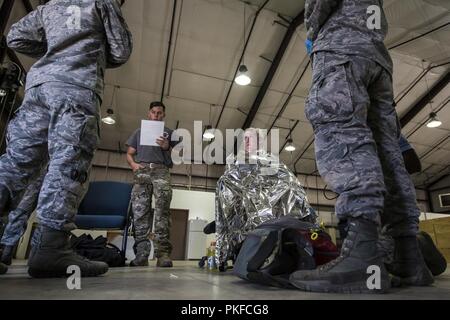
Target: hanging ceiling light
column 242, row 77
column 290, row 147
column 109, row 119
column 434, row 122
column 209, row 133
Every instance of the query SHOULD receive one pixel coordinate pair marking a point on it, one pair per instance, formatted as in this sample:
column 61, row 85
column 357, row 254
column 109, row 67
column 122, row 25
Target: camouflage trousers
column 350, row 107
column 18, row 218
column 59, row 122
column 150, row 182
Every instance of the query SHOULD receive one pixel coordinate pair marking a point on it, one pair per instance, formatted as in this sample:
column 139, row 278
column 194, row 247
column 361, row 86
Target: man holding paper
column 149, row 155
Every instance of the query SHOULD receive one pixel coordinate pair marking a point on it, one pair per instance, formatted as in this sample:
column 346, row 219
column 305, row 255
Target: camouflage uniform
column 75, row 42
column 18, row 218
column 150, row 182
column 355, row 124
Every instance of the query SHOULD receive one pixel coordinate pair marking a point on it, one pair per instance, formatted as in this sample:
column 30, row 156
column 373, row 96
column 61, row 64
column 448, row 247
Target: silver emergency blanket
column 249, row 194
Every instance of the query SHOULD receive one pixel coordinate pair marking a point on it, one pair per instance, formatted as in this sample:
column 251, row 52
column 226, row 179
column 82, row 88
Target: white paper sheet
column 150, row 131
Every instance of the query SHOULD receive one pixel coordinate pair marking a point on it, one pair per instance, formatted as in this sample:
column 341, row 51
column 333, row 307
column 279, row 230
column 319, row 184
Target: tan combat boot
column 164, row 261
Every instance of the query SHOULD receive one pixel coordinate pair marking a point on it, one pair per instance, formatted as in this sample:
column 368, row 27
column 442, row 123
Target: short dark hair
column 155, row 104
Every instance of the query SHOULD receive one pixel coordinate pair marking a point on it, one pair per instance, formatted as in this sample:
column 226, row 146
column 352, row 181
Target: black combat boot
column 434, row 259
column 357, row 269
column 3, row 268
column 7, row 255
column 142, row 251
column 53, row 256
column 408, row 266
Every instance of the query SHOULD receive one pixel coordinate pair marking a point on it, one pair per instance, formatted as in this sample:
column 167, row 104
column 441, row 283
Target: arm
column 317, row 13
column 28, row 36
column 118, row 36
column 130, row 159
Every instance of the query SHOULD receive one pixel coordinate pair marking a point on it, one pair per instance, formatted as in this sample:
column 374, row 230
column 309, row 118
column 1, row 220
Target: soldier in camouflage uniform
column 356, row 142
column 18, row 218
column 151, row 165
column 74, row 41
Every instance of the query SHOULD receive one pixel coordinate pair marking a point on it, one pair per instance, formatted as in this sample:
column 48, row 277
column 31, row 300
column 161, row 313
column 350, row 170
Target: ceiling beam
column 302, row 153
column 427, row 98
column 420, row 36
column 5, row 12
column 240, row 61
column 430, row 185
column 169, row 49
column 273, row 69
column 286, row 102
column 435, row 147
column 27, row 5
column 3, row 49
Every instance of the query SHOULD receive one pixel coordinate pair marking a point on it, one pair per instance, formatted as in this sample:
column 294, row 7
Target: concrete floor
column 183, row 282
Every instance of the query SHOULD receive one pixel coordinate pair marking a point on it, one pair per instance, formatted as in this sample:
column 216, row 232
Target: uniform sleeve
column 118, row 36
column 133, row 141
column 28, row 36
column 317, row 13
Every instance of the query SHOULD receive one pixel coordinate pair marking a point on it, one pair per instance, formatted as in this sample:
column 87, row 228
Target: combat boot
column 358, row 268
column 53, row 257
column 7, row 255
column 164, row 261
column 139, row 261
column 408, row 266
column 142, row 251
column 3, row 268
column 434, row 259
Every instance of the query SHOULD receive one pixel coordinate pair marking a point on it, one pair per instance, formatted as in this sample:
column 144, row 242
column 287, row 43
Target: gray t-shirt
column 152, row 154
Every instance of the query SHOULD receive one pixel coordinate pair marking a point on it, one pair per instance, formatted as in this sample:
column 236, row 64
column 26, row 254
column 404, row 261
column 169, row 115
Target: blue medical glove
column 309, row 46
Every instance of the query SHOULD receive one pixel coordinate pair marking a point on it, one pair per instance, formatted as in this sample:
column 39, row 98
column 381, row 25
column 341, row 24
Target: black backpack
column 276, row 249
column 98, row 250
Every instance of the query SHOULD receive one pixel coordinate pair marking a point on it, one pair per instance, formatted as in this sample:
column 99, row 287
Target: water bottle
column 211, row 263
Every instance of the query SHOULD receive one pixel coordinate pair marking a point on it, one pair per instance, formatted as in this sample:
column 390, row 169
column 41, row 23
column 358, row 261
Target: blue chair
column 106, row 206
